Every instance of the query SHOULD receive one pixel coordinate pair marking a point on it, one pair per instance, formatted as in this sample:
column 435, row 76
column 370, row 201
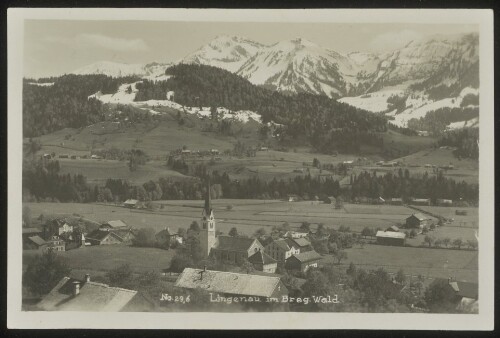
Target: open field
column 249, row 215
column 107, row 257
column 431, row 263
column 98, row 171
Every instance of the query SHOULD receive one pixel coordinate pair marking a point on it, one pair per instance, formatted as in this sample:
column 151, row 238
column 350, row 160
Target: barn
column 417, row 220
column 391, row 238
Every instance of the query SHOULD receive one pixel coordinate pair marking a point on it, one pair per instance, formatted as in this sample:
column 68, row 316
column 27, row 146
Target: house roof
column 419, row 216
column 92, row 297
column 308, row 256
column 228, row 282
column 37, row 240
column 31, row 230
column 390, row 234
column 130, row 201
column 465, row 289
column 283, row 244
column 100, row 235
column 229, row 243
column 116, row 224
column 301, row 242
column 261, row 257
column 393, row 228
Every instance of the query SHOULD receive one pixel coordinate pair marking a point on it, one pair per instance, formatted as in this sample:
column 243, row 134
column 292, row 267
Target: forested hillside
column 65, row 102
column 437, row 120
column 465, row 140
column 328, row 124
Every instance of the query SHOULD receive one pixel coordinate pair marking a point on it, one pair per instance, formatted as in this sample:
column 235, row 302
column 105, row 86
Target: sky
column 56, row 47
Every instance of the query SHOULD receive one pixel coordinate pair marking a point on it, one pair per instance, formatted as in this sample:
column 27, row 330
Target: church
column 227, row 249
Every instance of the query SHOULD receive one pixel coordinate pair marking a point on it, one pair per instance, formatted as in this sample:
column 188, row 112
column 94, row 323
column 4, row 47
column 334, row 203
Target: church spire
column 208, row 202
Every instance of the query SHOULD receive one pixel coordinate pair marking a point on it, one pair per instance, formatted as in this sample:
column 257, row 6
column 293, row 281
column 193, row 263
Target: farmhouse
column 421, row 201
column 103, row 237
column 295, row 234
column 396, row 201
column 130, row 203
column 28, row 232
column 165, row 238
column 170, row 95
column 34, row 243
column 76, row 295
column 466, row 295
column 114, row 225
column 392, row 228
column 301, row 243
column 444, row 202
column 56, row 227
column 263, row 262
column 303, row 261
column 329, row 200
column 96, row 157
column 417, row 220
column 293, row 198
column 47, row 156
column 231, row 283
column 391, row 238
column 281, row 249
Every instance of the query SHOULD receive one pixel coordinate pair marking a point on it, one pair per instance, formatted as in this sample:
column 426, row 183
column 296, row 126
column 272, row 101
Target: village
column 236, row 264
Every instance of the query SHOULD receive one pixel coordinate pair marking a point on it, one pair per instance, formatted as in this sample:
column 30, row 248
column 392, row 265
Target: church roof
column 229, row 243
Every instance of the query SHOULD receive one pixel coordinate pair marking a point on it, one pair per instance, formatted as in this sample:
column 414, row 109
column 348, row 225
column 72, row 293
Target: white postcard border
column 189, row 320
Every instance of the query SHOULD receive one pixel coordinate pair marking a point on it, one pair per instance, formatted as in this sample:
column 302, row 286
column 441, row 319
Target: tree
column 247, row 267
column 194, row 226
column 458, row 243
column 181, row 232
column 339, row 203
column 400, row 276
column 233, row 232
column 438, row 242
column 366, row 232
column 305, row 226
column 340, row 255
column 120, row 276
column 429, row 240
column 432, row 227
column 413, row 233
column 145, row 238
column 446, row 241
column 316, row 284
column 26, row 215
column 472, row 244
column 259, row 233
column 179, row 262
column 440, row 297
column 44, row 272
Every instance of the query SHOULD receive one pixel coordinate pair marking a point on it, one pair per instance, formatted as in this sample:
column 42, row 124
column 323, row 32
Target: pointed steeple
column 208, row 201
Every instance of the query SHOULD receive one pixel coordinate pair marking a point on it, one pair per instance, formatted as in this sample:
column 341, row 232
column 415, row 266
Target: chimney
column 87, row 278
column 203, row 271
column 76, row 289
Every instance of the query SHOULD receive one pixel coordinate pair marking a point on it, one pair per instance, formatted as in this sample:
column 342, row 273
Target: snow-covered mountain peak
column 114, row 69
column 226, row 52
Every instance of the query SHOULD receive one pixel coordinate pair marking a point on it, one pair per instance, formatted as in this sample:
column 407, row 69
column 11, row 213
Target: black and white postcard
column 218, row 169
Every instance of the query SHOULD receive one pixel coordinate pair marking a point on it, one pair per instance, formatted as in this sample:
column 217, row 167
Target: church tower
column 207, row 232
